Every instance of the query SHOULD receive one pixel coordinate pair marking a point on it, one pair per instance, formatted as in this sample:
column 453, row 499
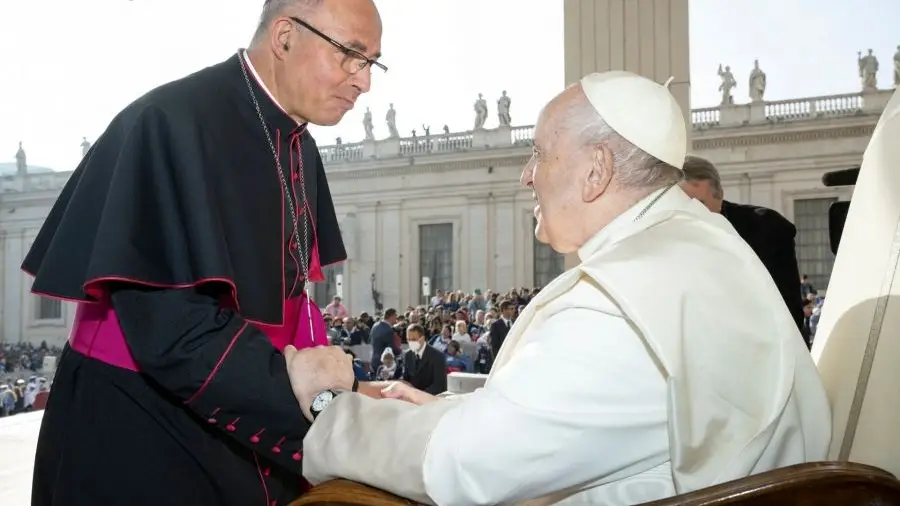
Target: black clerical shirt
column 177, row 218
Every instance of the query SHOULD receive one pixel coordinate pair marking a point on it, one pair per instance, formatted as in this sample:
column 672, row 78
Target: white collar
column 603, row 236
column 261, row 83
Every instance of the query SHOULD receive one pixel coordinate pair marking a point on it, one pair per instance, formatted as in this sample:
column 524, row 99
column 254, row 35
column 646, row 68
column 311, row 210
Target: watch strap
column 314, row 412
column 354, row 388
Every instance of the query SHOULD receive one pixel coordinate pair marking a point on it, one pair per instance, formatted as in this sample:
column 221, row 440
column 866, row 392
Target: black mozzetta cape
column 177, row 206
column 182, row 189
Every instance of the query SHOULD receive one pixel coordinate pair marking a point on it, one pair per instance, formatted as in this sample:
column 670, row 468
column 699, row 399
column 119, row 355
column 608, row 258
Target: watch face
column 321, row 401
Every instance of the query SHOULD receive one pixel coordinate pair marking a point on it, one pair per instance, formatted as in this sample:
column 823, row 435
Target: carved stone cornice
column 779, row 166
column 783, row 137
column 388, row 205
column 503, row 197
column 405, row 169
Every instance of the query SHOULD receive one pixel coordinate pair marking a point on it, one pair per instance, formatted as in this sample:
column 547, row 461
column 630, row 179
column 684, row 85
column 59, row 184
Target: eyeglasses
column 354, row 61
column 534, row 160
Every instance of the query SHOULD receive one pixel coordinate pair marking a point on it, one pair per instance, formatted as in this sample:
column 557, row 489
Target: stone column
column 647, row 37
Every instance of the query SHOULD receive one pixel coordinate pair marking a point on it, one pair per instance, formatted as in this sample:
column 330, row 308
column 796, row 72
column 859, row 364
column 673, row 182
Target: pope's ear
column 599, row 174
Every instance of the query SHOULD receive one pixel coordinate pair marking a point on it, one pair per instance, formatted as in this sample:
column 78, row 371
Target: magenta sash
column 97, row 334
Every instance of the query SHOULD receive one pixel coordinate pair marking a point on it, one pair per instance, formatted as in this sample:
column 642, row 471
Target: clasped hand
column 315, row 370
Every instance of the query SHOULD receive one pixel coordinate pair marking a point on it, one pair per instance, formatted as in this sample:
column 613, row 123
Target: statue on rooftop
column 367, row 124
column 391, row 119
column 446, row 130
column 85, row 146
column 21, row 163
column 757, row 85
column 868, row 70
column 427, row 130
column 728, row 84
column 481, row 112
column 503, row 110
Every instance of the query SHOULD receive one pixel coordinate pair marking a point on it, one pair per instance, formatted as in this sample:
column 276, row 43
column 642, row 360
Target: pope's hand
column 314, row 370
column 406, row 392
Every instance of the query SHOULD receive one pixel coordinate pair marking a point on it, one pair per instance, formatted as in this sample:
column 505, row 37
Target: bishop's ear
column 280, row 37
column 600, row 173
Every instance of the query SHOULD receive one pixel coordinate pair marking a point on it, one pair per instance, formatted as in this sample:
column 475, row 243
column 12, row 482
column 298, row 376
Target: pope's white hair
column 274, row 8
column 634, row 167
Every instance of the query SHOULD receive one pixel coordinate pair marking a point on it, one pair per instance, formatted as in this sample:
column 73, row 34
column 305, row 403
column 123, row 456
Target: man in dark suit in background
column 424, row 367
column 382, row 336
column 769, row 234
column 501, row 325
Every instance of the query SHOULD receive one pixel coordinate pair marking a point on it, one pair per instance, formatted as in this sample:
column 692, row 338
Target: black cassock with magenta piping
column 175, row 238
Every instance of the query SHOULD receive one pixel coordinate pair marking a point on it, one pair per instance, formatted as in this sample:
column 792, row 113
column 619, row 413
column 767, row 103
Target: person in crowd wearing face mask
column 424, row 367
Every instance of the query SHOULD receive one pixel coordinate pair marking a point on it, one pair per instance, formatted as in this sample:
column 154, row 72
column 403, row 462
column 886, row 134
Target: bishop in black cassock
column 186, row 237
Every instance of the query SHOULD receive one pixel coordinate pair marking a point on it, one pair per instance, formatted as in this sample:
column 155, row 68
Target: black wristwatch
column 323, row 399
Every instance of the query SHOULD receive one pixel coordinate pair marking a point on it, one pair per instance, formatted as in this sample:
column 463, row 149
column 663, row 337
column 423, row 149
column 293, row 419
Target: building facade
column 449, row 207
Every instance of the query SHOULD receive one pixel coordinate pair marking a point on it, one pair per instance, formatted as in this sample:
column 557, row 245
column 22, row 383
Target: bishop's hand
column 315, row 370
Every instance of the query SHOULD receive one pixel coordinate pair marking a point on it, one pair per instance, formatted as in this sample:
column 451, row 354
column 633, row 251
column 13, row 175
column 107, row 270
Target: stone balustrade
column 800, row 109
column 41, row 181
column 736, row 115
column 702, row 119
column 423, row 145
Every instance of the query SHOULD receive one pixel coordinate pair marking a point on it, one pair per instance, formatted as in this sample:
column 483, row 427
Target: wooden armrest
column 813, row 484
column 349, row 493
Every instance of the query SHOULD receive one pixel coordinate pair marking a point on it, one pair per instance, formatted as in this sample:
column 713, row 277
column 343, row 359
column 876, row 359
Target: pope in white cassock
column 664, row 363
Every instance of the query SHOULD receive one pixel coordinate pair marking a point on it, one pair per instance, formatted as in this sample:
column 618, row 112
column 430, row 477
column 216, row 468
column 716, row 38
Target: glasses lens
column 353, row 63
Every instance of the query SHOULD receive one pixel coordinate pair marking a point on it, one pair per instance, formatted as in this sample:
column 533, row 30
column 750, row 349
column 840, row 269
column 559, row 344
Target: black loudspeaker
column 837, row 216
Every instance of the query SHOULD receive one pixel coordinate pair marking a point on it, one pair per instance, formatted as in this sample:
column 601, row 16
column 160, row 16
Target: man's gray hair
column 274, row 8
column 635, row 168
column 701, row 169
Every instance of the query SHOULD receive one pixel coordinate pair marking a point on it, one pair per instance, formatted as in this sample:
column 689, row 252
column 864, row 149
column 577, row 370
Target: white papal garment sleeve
column 581, row 401
column 376, row 442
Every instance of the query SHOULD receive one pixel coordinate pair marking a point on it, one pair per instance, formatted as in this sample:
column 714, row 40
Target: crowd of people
column 812, row 303
column 18, row 360
column 21, row 396
column 24, row 357
column 466, row 329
